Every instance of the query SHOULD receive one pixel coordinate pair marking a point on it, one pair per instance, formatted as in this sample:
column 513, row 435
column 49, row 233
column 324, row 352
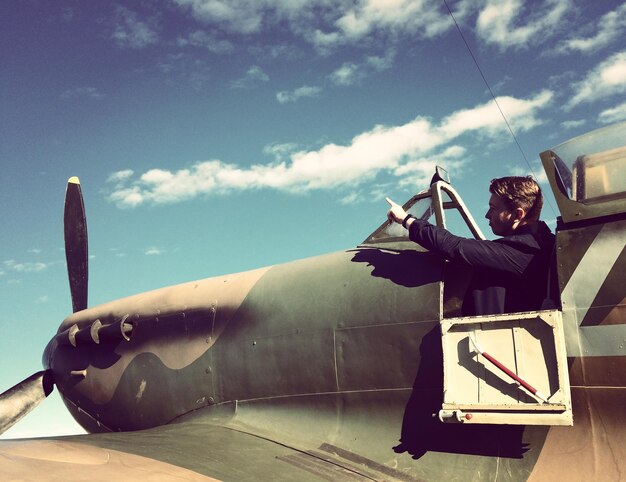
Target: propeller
column 76, row 250
column 19, row 400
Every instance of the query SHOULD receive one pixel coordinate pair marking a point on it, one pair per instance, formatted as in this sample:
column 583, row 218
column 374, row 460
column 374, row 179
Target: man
column 510, row 274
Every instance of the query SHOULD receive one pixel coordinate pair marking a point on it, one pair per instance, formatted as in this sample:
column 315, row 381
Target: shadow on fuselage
column 422, row 431
column 408, row 268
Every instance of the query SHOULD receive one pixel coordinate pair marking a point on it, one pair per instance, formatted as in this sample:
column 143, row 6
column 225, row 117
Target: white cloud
column 280, row 151
column 418, row 172
column 615, row 114
column 504, row 23
column 253, row 76
column 454, row 151
column 383, row 62
column 272, row 52
column 42, row 299
column 185, row 68
column 285, row 96
column 327, row 23
column 128, row 197
column 398, row 16
column 346, row 75
column 325, row 40
column 519, row 112
column 117, row 253
column 13, row 265
column 153, row 251
column 397, row 150
column 352, row 198
column 209, row 41
column 607, row 79
column 351, row 73
column 240, row 16
column 120, row 175
column 129, row 31
column 84, row 92
column 608, row 28
column 68, row 14
column 573, row 124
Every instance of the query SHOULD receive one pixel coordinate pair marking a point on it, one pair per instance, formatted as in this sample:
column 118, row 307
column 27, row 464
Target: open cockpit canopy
column 588, row 174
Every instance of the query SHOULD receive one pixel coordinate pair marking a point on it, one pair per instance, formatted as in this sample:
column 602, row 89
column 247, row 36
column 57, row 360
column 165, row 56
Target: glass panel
column 456, row 224
column 600, row 176
column 421, row 209
column 598, row 165
column 455, row 221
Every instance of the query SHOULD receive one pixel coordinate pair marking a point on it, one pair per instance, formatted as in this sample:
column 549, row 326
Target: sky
column 213, row 136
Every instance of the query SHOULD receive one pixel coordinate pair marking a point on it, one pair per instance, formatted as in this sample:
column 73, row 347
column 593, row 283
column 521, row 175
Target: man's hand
column 396, row 213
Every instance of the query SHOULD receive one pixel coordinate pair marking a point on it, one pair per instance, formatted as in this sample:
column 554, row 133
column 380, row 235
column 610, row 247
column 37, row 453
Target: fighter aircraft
column 353, row 365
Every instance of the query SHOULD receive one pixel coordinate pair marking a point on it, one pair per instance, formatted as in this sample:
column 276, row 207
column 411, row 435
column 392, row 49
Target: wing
column 189, row 451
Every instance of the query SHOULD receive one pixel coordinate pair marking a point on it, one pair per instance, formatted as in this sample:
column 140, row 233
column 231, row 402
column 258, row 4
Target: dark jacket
column 510, row 274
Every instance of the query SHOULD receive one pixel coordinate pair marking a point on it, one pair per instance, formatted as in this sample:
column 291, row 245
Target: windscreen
column 422, row 208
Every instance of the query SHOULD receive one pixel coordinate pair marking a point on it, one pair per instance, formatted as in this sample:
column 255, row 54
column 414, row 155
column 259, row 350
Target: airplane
column 355, row 365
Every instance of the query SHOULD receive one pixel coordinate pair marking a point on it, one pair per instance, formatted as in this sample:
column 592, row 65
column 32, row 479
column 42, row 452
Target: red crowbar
column 509, row 372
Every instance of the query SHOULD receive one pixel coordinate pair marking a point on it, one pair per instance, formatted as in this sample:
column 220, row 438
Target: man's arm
column 474, row 252
column 502, row 256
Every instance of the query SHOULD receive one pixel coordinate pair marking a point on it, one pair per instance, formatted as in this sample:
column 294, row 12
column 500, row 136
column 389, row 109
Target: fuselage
column 287, row 330
column 345, row 351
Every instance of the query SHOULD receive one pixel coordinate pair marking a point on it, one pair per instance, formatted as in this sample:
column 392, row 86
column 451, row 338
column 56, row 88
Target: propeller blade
column 19, row 400
column 76, row 250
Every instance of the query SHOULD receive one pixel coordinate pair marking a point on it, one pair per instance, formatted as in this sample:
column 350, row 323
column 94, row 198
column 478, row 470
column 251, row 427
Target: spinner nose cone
column 48, row 353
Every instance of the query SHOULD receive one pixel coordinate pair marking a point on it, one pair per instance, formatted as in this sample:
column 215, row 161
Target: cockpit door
column 506, row 369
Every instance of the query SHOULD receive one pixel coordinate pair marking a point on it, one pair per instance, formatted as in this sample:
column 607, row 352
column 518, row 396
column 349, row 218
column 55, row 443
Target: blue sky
column 214, row 137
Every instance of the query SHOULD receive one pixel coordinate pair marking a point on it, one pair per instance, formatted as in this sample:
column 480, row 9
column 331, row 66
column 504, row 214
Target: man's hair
column 519, row 192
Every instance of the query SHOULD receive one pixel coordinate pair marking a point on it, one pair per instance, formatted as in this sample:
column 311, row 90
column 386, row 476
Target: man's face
column 501, row 218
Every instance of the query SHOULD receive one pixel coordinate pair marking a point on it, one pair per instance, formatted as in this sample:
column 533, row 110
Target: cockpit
column 529, row 345
column 587, row 176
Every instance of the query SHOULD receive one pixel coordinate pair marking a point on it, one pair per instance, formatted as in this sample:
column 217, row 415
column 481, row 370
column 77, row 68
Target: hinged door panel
column 506, row 369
